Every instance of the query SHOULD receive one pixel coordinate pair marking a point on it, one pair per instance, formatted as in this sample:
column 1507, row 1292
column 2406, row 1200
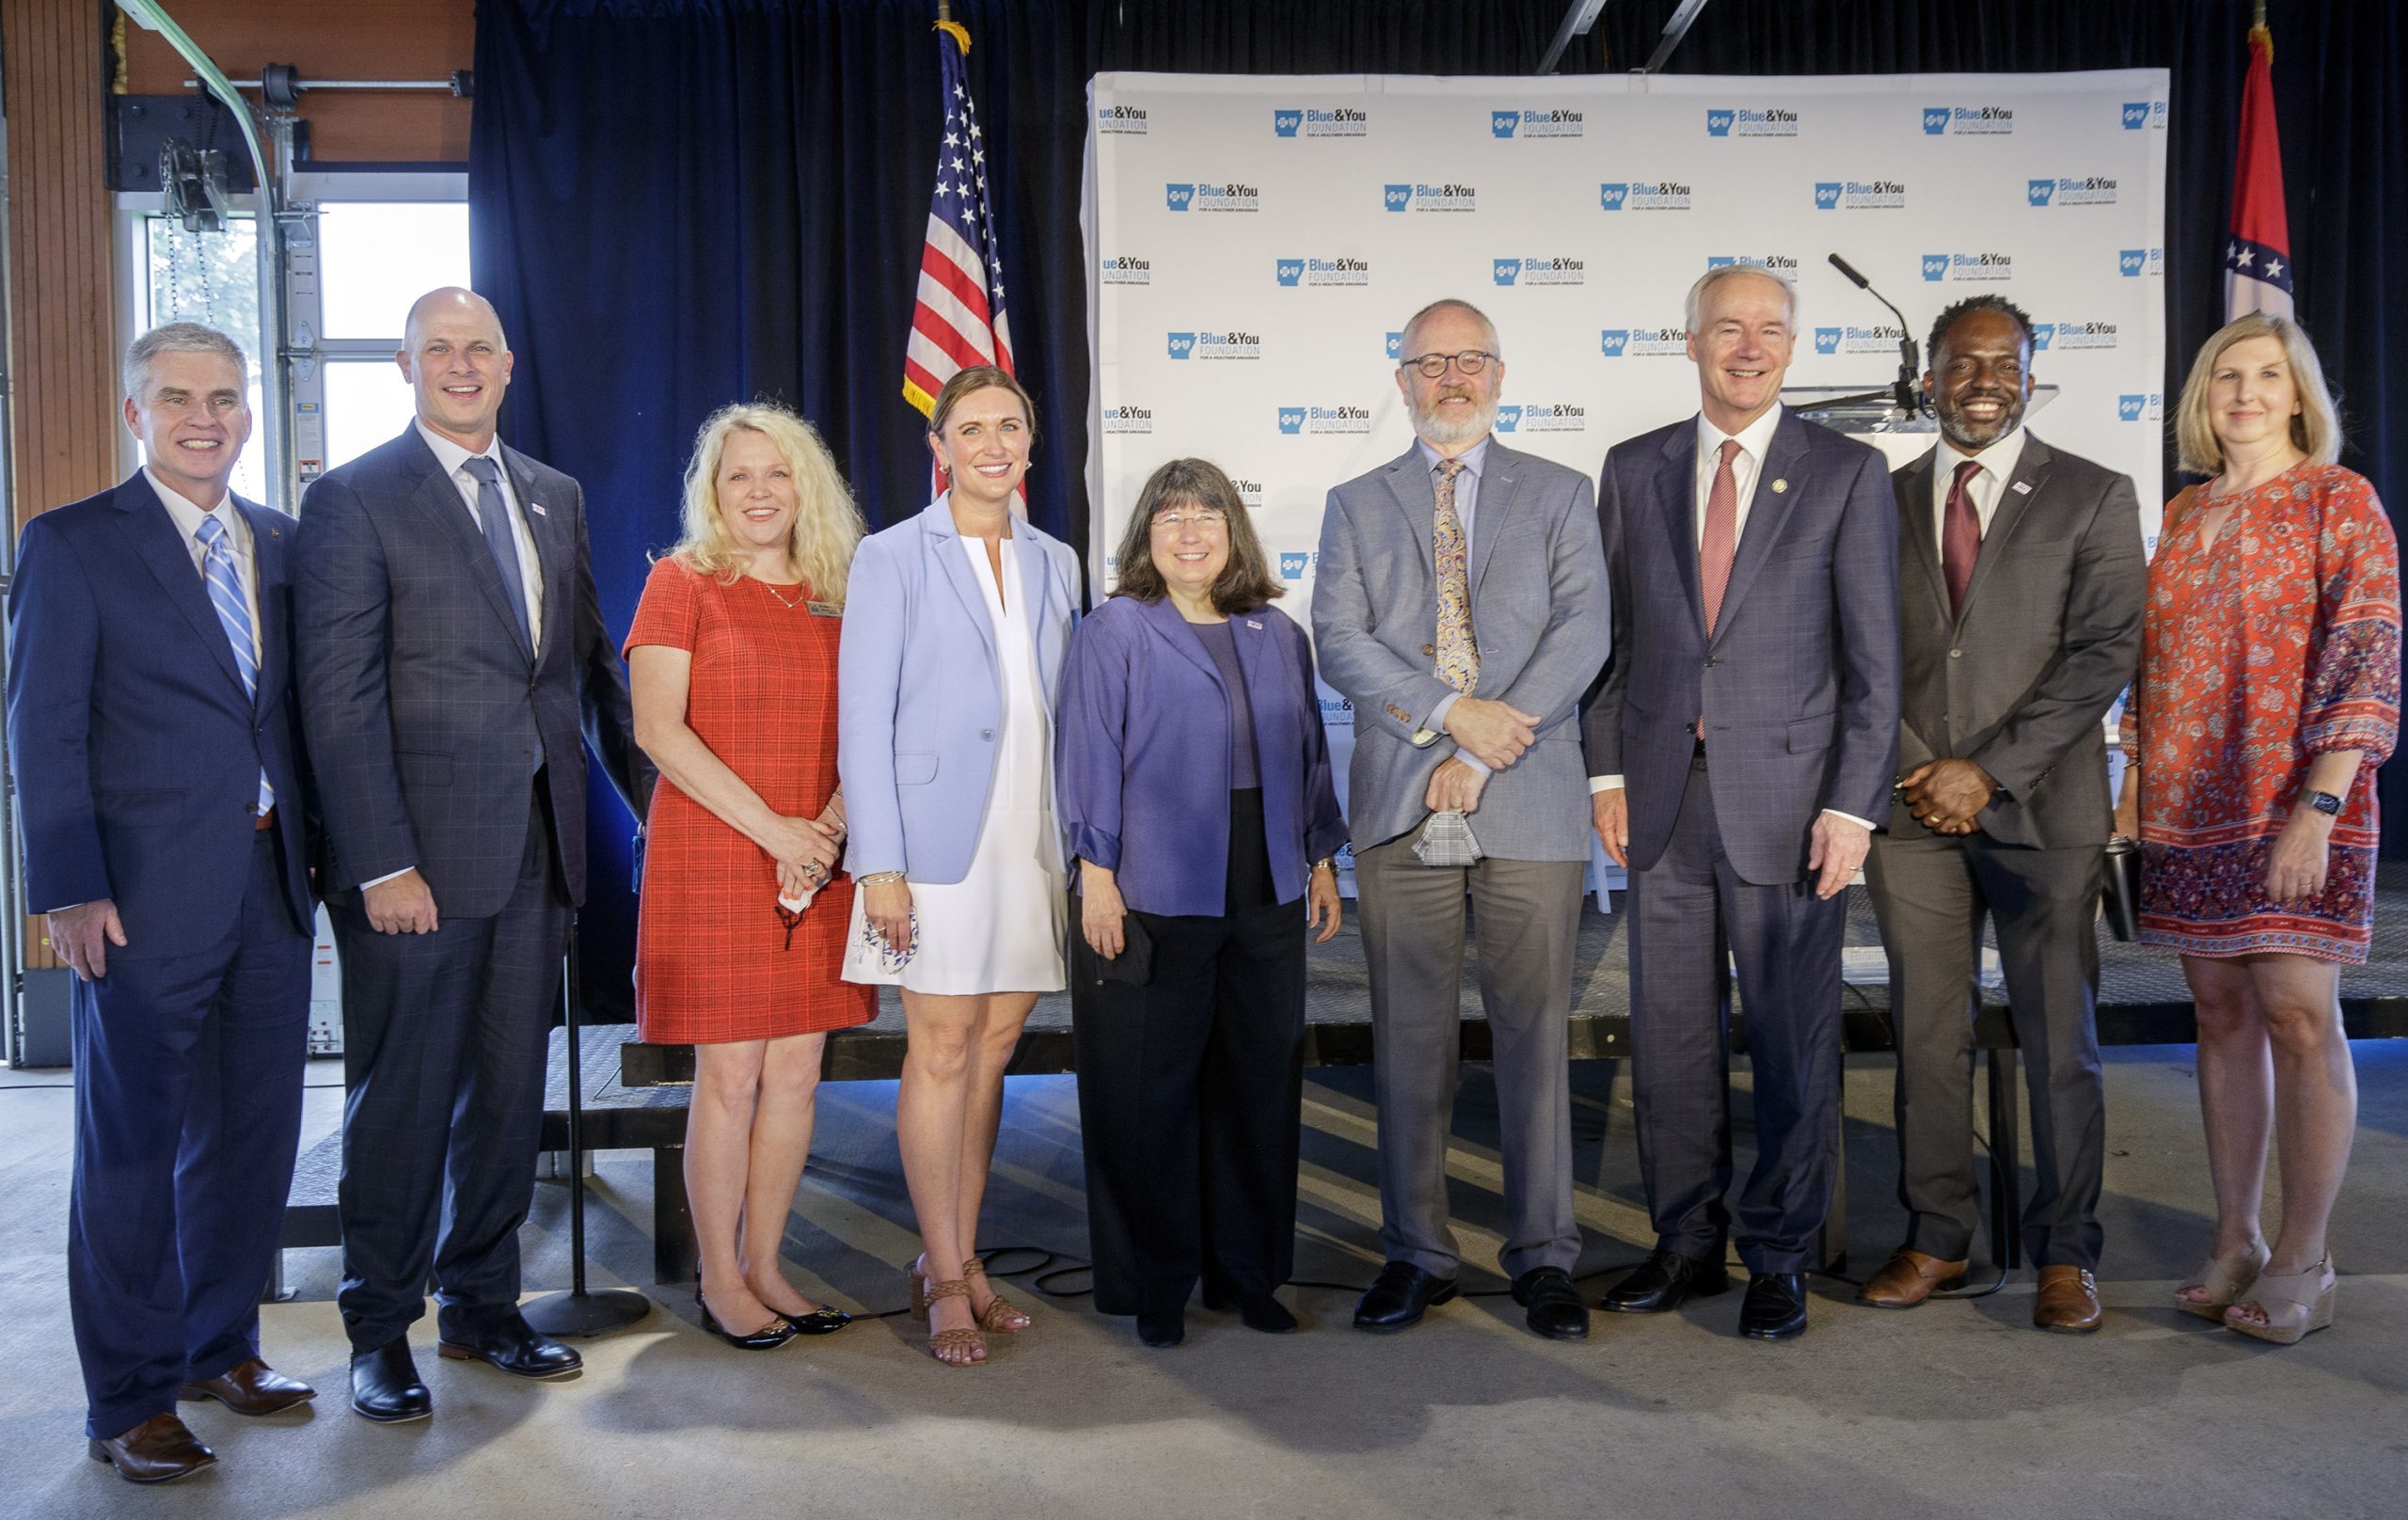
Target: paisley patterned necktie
column 1458, row 657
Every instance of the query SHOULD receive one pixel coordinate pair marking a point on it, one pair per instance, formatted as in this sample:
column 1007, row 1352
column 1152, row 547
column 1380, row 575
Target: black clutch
column 1134, row 964
column 2119, row 888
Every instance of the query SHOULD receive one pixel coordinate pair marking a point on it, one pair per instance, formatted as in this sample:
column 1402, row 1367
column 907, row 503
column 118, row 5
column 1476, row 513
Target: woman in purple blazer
column 1194, row 786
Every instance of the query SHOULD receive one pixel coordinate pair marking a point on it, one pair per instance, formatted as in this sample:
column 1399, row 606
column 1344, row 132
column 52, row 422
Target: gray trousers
column 1526, row 919
column 1932, row 894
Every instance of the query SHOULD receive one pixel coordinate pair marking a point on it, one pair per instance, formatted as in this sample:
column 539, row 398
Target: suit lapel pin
column 1251, row 623
column 2023, row 488
column 537, row 508
column 1778, row 486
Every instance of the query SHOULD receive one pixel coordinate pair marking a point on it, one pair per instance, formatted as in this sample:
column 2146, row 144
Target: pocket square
column 1446, row 840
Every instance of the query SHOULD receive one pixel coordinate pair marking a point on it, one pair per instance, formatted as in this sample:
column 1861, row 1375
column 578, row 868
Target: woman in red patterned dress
column 2269, row 680
column 731, row 662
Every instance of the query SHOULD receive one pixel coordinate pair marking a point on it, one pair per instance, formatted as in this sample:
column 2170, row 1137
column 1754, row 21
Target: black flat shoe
column 1554, row 1304
column 1775, row 1307
column 514, row 1346
column 1664, row 1282
column 768, row 1337
column 384, row 1385
column 1163, row 1328
column 822, row 1321
column 1399, row 1296
column 1257, row 1312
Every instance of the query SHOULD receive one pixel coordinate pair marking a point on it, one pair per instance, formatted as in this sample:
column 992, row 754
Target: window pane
column 375, row 258
column 212, row 279
column 368, row 402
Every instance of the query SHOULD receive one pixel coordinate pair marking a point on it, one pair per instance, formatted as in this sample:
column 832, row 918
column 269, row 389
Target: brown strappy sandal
column 1002, row 1317
column 942, row 1342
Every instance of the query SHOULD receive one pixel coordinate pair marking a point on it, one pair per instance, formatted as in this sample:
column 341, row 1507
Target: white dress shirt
column 1998, row 463
column 1746, row 465
column 188, row 519
column 455, row 461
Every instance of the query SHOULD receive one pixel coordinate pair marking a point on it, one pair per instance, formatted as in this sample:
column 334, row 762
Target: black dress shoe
column 385, row 1384
column 1163, row 1327
column 1555, row 1310
column 1256, row 1311
column 822, row 1321
column 1399, row 1297
column 1775, row 1307
column 515, row 1347
column 1664, row 1282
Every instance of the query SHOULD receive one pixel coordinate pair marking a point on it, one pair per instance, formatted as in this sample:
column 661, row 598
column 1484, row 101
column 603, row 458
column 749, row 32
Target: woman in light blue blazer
column 955, row 628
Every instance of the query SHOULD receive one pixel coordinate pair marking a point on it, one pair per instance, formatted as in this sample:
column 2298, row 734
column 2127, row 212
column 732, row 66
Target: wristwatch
column 1327, row 863
column 2325, row 802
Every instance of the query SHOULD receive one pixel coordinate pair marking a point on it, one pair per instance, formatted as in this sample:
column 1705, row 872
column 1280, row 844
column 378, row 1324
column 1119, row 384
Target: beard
column 1438, row 430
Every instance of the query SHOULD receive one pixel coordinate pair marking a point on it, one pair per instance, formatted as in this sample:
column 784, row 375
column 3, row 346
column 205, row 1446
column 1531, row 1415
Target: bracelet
column 1327, row 863
column 877, row 879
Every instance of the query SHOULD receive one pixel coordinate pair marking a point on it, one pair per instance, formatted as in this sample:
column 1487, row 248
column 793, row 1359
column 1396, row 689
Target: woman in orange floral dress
column 2269, row 692
column 731, row 662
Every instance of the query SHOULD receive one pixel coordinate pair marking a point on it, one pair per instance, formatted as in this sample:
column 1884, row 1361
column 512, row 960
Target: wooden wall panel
column 354, row 40
column 62, row 400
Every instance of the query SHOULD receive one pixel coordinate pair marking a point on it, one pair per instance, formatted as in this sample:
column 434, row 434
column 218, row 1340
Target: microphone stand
column 1904, row 393
column 580, row 1313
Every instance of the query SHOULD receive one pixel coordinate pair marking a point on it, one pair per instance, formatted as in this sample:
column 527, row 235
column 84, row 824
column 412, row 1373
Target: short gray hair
column 180, row 338
column 1446, row 302
column 1716, row 275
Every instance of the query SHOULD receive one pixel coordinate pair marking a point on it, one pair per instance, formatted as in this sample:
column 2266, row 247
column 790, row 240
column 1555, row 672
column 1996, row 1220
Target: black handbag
column 1134, row 965
column 2119, row 888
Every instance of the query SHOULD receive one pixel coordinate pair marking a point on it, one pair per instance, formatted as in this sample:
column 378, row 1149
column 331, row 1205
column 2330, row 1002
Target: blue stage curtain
column 677, row 203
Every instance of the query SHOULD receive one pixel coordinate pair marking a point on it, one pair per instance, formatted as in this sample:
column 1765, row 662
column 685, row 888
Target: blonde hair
column 827, row 524
column 2317, row 429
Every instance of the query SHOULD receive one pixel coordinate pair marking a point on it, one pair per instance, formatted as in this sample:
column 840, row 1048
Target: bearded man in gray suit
column 1460, row 607
column 2021, row 579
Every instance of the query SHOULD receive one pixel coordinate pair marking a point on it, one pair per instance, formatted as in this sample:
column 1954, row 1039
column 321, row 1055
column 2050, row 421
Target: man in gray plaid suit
column 1739, row 750
column 1461, row 605
column 450, row 650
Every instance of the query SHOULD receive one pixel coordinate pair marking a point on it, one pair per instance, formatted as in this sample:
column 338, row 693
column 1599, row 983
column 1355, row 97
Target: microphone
column 1906, row 394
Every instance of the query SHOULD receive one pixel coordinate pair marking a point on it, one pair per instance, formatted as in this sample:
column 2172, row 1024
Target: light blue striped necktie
column 233, row 610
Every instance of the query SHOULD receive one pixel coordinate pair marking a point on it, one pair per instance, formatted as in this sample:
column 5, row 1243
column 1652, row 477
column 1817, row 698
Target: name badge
column 825, row 610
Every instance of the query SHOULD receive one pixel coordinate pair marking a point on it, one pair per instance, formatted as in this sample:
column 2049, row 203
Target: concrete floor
column 1955, row 1409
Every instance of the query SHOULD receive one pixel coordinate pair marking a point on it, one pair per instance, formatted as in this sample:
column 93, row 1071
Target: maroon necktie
column 1960, row 538
column 1719, row 543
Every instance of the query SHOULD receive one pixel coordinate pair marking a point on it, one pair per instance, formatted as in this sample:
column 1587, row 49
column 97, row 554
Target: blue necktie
column 493, row 516
column 233, row 611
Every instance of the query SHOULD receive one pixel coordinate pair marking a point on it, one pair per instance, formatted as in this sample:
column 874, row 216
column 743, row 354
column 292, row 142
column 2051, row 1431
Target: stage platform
column 635, row 1093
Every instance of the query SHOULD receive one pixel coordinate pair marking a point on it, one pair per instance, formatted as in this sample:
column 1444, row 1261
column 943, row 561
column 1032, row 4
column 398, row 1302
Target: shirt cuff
column 1473, row 762
column 1437, row 719
column 390, row 875
column 1604, row 784
column 1865, row 824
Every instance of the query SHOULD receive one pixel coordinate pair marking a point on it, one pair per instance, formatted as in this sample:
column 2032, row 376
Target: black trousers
column 445, row 1043
column 1191, row 1091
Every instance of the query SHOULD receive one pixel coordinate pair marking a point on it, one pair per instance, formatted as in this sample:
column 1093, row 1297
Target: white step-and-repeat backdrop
column 1254, row 244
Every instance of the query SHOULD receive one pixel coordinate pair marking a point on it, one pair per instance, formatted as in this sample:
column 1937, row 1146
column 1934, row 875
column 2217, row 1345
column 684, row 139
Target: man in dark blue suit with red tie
column 450, row 650
column 158, row 764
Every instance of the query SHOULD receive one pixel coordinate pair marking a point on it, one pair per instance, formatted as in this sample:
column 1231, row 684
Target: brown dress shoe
column 251, row 1387
column 158, row 1451
column 1908, row 1279
column 2068, row 1301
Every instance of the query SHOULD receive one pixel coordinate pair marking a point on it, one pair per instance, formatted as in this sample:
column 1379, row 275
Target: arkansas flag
column 2258, row 255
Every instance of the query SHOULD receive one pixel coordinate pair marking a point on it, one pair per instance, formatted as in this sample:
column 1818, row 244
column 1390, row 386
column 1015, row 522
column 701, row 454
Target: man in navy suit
column 158, row 766
column 1739, row 750
column 450, row 650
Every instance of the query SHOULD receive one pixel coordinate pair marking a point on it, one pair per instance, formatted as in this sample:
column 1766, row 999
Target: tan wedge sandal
column 2294, row 1303
column 971, row 1342
column 1002, row 1316
column 2219, row 1281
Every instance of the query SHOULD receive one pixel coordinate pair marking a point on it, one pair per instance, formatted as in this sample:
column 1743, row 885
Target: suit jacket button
column 1955, row 654
column 986, row 733
column 1428, row 649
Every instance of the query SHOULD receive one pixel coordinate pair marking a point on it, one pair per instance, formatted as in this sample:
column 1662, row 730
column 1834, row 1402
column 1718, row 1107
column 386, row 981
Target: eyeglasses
column 1202, row 519
column 1470, row 361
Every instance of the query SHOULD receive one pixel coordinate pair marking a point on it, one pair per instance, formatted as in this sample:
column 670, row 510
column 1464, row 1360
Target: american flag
column 958, row 319
column 2257, row 254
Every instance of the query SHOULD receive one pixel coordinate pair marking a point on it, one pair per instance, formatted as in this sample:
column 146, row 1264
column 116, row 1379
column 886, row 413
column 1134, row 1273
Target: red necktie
column 1721, row 543
column 1960, row 537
